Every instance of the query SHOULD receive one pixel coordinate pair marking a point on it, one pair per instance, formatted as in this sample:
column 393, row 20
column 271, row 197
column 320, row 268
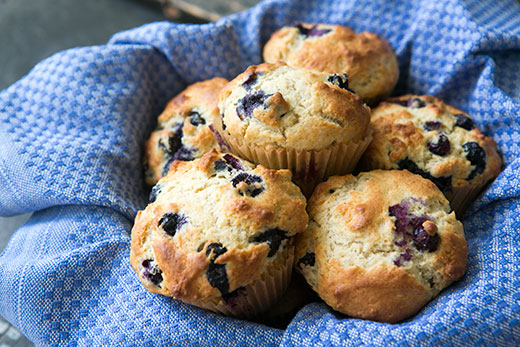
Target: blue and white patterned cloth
column 71, row 143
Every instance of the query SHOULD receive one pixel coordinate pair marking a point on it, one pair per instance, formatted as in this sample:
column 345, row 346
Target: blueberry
column 215, row 248
column 443, row 182
column 312, row 31
column 234, row 162
column 424, row 241
column 184, row 153
column 477, row 157
column 229, row 162
column 223, row 124
column 156, row 190
column 441, row 147
column 249, row 102
column 253, row 182
column 340, row 81
column 174, row 141
column 416, row 103
column 196, row 119
column 416, row 222
column 171, row 222
column 432, row 125
column 401, row 243
column 400, row 212
column 152, row 272
column 407, row 256
column 175, row 149
column 411, row 228
column 217, row 277
column 245, row 177
column 220, row 165
column 405, row 222
column 216, row 273
column 251, row 80
column 464, row 121
column 273, row 237
column 309, row 259
column 222, row 144
column 411, row 103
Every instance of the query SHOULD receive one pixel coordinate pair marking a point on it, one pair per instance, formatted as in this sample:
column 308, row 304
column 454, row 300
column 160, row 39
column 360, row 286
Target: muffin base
column 460, row 198
column 258, row 296
column 309, row 167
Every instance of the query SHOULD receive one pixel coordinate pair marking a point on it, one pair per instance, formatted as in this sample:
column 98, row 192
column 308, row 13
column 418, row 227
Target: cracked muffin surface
column 380, row 245
column 367, row 59
column 184, row 129
column 424, row 135
column 215, row 226
column 279, row 106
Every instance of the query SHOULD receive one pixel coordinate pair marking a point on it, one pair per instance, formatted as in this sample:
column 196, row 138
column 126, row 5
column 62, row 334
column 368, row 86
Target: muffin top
column 369, row 60
column 215, row 224
column 184, row 128
column 279, row 106
column 425, row 136
column 381, row 244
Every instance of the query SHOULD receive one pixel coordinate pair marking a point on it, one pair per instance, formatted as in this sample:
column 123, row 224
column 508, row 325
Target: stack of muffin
column 227, row 220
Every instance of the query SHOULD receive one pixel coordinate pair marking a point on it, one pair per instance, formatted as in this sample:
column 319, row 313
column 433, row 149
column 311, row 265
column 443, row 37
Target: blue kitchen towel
column 71, row 144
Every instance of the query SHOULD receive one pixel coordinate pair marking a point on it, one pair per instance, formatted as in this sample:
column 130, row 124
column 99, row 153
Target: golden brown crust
column 373, row 237
column 175, row 127
column 382, row 294
column 199, row 94
column 293, row 108
column 403, row 133
column 183, row 271
column 369, row 61
column 453, row 257
column 216, row 202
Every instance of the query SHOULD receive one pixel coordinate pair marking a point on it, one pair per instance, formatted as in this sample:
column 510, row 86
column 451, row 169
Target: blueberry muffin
column 218, row 234
column 287, row 117
column 369, row 61
column 425, row 136
column 184, row 128
column 379, row 246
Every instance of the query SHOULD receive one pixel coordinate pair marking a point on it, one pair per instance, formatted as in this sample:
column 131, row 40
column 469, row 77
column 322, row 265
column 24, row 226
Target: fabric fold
column 71, row 143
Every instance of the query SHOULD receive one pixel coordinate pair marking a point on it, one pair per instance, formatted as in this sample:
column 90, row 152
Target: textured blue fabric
column 71, row 139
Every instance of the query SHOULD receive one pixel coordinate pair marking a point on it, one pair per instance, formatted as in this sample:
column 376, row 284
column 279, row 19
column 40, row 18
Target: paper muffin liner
column 257, row 297
column 297, row 295
column 461, row 197
column 309, row 167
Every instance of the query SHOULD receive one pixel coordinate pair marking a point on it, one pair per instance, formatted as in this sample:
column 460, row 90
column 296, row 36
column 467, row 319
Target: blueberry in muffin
column 184, row 129
column 425, row 136
column 219, row 234
column 380, row 245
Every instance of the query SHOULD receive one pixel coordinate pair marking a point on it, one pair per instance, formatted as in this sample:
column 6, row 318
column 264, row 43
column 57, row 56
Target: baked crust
column 178, row 134
column 403, row 132
column 278, row 106
column 372, row 256
column 224, row 210
column 369, row 60
column 382, row 294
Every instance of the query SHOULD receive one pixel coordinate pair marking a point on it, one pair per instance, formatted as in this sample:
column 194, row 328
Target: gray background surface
column 33, row 30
